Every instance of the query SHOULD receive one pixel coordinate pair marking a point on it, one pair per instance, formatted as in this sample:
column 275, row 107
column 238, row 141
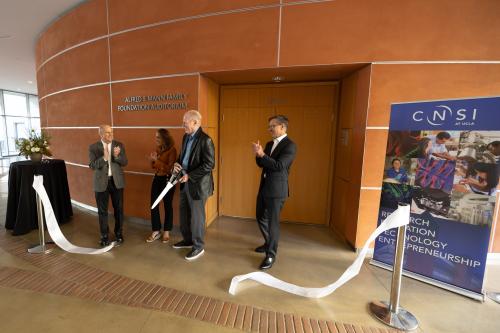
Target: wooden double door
column 244, row 113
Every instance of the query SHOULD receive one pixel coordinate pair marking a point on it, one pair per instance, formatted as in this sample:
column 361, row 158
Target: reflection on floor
column 142, row 287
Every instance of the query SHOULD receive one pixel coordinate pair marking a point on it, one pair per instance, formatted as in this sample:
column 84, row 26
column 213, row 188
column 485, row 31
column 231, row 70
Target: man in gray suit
column 107, row 157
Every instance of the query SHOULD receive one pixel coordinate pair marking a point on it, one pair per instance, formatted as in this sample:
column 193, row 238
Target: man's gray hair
column 193, row 114
column 102, row 127
column 281, row 119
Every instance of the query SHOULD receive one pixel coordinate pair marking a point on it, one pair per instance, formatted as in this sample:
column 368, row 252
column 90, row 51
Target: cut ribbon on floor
column 398, row 218
column 53, row 227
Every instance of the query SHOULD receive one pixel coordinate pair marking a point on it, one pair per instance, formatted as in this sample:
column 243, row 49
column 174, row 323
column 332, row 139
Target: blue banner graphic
column 443, row 158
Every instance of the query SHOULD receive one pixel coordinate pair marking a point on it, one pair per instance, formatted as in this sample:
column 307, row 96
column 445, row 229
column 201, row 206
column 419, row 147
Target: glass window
column 17, row 127
column 35, row 124
column 4, row 150
column 1, row 102
column 15, row 104
column 34, row 111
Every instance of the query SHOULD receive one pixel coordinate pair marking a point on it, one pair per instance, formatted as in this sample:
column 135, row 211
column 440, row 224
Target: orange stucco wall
column 89, row 60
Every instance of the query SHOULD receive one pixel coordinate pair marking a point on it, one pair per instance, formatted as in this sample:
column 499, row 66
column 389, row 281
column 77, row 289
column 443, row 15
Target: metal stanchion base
column 402, row 320
column 494, row 296
column 40, row 249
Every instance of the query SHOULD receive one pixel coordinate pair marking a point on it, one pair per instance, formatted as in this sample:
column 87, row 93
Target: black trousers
column 102, row 200
column 267, row 212
column 192, row 218
column 159, row 183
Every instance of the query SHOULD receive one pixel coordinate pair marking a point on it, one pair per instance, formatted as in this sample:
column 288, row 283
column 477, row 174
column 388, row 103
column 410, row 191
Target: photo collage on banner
column 443, row 158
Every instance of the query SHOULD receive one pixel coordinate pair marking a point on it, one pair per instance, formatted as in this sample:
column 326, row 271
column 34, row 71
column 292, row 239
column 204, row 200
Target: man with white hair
column 107, row 158
column 196, row 162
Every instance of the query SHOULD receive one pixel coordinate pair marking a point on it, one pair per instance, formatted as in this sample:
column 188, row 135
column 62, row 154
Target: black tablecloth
column 21, row 215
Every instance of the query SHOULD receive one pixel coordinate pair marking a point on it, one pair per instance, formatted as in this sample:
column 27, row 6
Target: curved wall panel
column 85, row 23
column 212, row 43
column 93, row 59
column 129, row 14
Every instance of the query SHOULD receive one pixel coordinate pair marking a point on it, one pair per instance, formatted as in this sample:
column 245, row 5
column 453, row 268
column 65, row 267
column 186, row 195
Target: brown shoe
column 166, row 237
column 154, row 236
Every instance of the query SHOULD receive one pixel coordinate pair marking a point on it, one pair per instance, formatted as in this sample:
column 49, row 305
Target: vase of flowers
column 35, row 146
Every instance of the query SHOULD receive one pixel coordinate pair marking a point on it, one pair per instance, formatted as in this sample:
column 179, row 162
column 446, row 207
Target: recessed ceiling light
column 30, row 82
column 278, row 78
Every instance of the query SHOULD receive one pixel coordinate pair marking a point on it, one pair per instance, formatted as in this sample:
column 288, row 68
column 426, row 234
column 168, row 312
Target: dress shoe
column 119, row 239
column 267, row 263
column 104, row 242
column 194, row 254
column 182, row 245
column 261, row 249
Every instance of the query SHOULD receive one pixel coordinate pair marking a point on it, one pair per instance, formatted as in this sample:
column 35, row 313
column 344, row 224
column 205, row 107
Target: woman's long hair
column 166, row 139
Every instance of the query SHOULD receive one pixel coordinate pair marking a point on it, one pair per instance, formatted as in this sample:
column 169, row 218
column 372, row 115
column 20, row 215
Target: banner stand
column 391, row 313
column 495, row 296
column 42, row 248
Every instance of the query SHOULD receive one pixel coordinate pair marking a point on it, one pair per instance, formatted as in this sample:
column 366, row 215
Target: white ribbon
column 399, row 217
column 53, row 228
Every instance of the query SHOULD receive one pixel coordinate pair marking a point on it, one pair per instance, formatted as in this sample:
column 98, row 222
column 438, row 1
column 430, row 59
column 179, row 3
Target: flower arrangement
column 34, row 144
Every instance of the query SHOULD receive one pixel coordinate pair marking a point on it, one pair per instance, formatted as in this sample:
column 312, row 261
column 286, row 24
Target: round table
column 21, row 215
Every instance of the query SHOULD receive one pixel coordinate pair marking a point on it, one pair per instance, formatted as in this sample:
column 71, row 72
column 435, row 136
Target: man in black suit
column 275, row 161
column 107, row 158
column 196, row 161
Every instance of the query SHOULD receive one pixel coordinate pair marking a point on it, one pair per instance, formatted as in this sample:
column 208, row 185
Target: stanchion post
column 42, row 247
column 494, row 296
column 391, row 313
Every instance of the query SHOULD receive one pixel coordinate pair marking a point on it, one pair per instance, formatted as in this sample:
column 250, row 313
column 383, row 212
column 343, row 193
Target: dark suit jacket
column 100, row 166
column 201, row 163
column 275, row 168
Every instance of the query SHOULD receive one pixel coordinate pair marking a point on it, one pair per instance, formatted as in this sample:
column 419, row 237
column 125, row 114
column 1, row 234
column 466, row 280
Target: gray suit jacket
column 100, row 166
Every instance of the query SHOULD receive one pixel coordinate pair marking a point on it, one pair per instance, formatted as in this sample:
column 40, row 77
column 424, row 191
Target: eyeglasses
column 273, row 126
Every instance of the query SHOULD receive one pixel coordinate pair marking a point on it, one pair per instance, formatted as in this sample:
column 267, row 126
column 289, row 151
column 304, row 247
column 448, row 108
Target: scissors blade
column 162, row 194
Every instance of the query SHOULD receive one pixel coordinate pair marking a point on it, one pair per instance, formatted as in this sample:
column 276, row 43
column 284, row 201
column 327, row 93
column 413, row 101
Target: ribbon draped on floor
column 53, row 227
column 398, row 218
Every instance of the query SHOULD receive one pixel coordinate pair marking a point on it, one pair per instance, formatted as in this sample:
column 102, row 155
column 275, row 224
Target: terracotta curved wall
column 89, row 60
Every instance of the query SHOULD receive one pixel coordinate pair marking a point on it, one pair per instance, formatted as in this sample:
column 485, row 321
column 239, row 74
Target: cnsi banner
column 443, row 158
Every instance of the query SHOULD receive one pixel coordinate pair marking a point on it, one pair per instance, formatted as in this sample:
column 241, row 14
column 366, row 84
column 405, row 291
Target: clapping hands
column 257, row 149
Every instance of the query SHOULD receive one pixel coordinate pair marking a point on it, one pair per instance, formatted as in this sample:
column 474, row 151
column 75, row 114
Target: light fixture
column 278, row 78
column 30, row 82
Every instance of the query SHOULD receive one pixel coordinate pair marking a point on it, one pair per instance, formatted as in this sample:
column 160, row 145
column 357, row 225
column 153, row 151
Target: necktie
column 108, row 157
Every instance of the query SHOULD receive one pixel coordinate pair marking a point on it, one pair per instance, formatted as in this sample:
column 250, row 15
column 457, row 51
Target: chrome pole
column 391, row 313
column 397, row 270
column 42, row 247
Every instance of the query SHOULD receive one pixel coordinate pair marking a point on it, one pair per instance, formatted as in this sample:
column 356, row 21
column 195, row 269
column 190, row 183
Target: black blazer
column 201, row 163
column 275, row 168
